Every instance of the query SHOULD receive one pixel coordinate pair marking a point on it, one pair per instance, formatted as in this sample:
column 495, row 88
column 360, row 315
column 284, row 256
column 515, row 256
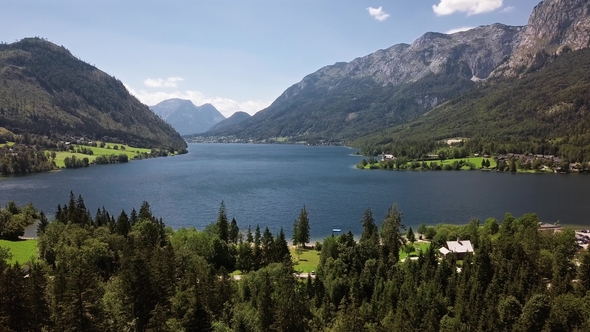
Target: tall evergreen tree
column 281, row 247
column 123, row 225
column 391, row 235
column 410, row 235
column 370, row 229
column 234, row 231
column 268, row 252
column 249, row 237
column 222, row 223
column 301, row 228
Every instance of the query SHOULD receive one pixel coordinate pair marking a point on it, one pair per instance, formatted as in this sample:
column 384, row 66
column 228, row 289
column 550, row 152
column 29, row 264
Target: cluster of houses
column 549, row 160
column 462, row 248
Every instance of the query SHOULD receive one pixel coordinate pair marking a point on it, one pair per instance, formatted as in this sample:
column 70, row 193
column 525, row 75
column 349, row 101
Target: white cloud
column 226, row 106
column 170, row 82
column 508, row 9
column 471, row 7
column 378, row 13
column 452, row 31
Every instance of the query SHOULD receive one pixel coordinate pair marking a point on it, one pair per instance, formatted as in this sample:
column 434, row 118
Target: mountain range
column 235, row 118
column 187, row 118
column 46, row 91
column 411, row 83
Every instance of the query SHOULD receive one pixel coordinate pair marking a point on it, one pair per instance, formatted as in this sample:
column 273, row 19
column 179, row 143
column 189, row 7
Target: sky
column 238, row 55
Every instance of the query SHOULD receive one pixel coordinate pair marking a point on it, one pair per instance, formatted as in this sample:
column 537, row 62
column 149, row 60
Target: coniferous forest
column 129, row 272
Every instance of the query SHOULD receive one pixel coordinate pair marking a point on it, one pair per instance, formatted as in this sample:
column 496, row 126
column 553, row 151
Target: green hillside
column 46, row 91
column 350, row 109
column 548, row 110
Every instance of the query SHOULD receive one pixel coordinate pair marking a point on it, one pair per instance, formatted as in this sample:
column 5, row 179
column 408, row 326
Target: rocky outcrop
column 403, row 82
column 472, row 54
column 554, row 26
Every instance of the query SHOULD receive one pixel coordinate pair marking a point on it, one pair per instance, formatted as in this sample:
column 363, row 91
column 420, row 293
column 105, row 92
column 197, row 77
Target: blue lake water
column 268, row 185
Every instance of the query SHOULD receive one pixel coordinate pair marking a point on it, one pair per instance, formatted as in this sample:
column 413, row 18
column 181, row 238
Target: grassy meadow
column 22, row 250
column 474, row 160
column 305, row 260
column 130, row 151
column 419, row 247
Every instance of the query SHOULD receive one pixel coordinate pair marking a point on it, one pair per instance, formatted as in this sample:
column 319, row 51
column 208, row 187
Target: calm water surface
column 268, row 185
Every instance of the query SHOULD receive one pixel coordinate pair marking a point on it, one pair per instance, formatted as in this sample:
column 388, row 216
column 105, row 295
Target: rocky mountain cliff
column 471, row 54
column 45, row 90
column 384, row 88
column 396, row 85
column 554, row 26
column 187, row 118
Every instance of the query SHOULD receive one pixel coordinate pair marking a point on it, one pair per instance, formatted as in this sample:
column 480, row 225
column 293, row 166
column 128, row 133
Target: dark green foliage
column 410, row 236
column 301, row 228
column 134, row 274
column 222, row 223
column 20, row 159
column 14, row 220
column 346, row 109
column 391, row 235
column 234, row 231
column 47, row 91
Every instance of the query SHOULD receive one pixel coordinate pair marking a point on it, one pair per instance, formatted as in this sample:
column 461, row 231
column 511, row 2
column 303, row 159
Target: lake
column 269, row 184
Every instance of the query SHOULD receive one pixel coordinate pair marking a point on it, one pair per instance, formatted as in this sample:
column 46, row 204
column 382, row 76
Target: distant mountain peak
column 185, row 117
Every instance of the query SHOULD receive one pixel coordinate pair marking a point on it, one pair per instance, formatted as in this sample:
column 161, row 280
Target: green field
column 474, row 160
column 6, row 144
column 21, row 251
column 131, row 152
column 420, row 246
column 306, row 261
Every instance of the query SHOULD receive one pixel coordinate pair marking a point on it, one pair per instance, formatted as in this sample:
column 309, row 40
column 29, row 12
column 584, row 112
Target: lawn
column 474, row 160
column 98, row 151
column 21, row 251
column 6, row 144
column 420, row 246
column 306, row 261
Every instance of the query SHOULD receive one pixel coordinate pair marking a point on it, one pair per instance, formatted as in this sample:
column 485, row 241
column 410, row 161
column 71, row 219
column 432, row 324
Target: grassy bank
column 22, row 250
column 108, row 150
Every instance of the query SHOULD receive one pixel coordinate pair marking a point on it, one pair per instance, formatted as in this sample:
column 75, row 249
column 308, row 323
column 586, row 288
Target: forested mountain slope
column 388, row 87
column 45, row 90
column 551, row 105
column 236, row 118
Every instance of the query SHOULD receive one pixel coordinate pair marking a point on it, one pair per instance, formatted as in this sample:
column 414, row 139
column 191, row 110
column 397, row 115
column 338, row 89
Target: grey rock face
column 472, row 54
column 554, row 26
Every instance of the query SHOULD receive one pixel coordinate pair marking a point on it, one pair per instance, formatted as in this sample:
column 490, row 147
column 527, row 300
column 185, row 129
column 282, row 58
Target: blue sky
column 238, row 54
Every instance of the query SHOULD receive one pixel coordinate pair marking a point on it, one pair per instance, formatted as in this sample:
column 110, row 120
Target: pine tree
column 391, row 235
column 301, row 228
column 370, row 230
column 410, row 235
column 234, row 231
column 43, row 222
column 249, row 237
column 268, row 253
column 281, row 247
column 222, row 223
column 123, row 225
